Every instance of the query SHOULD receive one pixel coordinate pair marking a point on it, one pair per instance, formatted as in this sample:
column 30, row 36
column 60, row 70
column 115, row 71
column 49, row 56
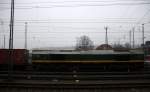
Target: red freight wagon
column 4, row 53
column 18, row 56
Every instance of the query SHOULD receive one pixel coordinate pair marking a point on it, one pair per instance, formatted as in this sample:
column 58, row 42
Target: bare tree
column 127, row 45
column 121, row 47
column 117, row 46
column 84, row 43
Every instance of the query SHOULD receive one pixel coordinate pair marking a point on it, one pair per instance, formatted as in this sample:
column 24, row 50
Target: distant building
column 147, row 47
column 104, row 47
column 147, row 43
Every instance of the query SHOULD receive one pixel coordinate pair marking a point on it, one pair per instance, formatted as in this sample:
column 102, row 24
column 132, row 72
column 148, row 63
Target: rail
column 76, row 75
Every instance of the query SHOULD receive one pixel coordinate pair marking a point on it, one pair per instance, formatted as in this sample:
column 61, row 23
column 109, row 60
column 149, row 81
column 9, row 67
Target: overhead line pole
column 130, row 38
column 106, row 37
column 4, row 41
column 1, row 23
column 143, row 34
column 133, row 37
column 11, row 25
column 10, row 62
column 26, row 35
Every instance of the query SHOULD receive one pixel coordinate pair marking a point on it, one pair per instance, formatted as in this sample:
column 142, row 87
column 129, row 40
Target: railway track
column 99, row 83
column 74, row 86
column 75, row 75
column 75, row 81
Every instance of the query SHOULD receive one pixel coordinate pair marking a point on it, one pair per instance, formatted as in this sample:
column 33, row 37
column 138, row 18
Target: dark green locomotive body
column 87, row 60
column 87, row 56
column 99, row 56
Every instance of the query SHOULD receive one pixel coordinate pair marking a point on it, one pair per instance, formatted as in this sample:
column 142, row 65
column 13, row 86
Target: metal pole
column 4, row 41
column 10, row 62
column 133, row 37
column 2, row 30
column 143, row 40
column 25, row 35
column 11, row 25
column 106, row 37
column 130, row 38
column 143, row 34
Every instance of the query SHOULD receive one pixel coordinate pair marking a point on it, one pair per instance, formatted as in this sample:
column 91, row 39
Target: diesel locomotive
column 96, row 60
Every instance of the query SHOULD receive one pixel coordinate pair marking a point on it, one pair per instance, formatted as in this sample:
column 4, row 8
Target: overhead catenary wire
column 140, row 20
column 60, row 32
column 79, row 1
column 126, row 21
column 77, row 5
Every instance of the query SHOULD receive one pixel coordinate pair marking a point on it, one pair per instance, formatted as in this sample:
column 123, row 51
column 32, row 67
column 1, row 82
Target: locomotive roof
column 84, row 52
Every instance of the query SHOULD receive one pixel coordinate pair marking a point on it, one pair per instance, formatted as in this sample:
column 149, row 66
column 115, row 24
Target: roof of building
column 104, row 47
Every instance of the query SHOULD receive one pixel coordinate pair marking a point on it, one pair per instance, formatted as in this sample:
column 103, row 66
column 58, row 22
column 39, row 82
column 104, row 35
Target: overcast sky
column 56, row 23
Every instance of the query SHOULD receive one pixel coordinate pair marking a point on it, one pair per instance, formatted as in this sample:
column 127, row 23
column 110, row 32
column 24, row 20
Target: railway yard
column 74, row 71
column 74, row 45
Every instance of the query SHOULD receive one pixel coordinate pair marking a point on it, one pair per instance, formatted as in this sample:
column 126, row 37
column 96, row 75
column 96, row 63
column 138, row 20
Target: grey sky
column 54, row 23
